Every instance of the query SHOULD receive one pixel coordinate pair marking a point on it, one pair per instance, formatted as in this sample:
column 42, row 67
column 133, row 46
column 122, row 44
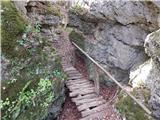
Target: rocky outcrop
column 148, row 74
column 45, row 22
column 118, row 41
column 120, row 28
column 20, row 6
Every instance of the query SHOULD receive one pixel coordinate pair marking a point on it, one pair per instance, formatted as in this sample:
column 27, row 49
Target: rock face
column 118, row 41
column 20, row 6
column 40, row 13
column 120, row 28
column 148, row 74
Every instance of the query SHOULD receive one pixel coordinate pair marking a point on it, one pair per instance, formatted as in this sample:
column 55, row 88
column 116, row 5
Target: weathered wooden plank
column 96, row 79
column 94, row 110
column 69, row 68
column 97, row 116
column 75, row 77
column 91, row 104
column 79, row 84
column 81, row 89
column 73, row 74
column 72, row 71
column 82, row 101
column 92, row 95
column 76, row 81
column 73, row 94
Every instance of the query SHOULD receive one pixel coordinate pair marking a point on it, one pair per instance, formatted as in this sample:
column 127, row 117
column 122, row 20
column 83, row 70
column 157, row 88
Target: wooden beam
column 96, row 80
column 108, row 74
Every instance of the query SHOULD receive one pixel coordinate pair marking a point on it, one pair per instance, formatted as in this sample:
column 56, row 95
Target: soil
column 69, row 111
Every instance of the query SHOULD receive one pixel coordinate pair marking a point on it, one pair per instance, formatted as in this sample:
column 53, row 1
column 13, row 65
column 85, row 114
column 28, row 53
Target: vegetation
column 129, row 109
column 32, row 73
column 77, row 8
column 12, row 27
column 55, row 10
column 77, row 38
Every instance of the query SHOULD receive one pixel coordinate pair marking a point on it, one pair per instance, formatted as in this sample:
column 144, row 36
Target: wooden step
column 79, row 84
column 84, row 92
column 78, row 88
column 69, row 69
column 72, row 72
column 91, row 104
column 97, row 116
column 94, row 110
column 76, row 81
column 75, row 77
column 82, row 101
column 85, row 97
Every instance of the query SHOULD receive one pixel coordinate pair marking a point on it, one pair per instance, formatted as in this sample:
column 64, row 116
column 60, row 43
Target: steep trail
column 70, row 111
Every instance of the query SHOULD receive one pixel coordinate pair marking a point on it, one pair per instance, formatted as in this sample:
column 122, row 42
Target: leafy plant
column 28, row 97
column 37, row 27
column 59, row 74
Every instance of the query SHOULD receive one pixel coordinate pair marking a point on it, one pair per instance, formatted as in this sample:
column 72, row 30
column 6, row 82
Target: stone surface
column 152, row 45
column 20, row 6
column 127, row 12
column 148, row 74
column 120, row 28
column 51, row 20
column 36, row 12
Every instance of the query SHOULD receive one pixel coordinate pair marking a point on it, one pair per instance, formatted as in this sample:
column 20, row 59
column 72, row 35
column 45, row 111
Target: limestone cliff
column 116, row 35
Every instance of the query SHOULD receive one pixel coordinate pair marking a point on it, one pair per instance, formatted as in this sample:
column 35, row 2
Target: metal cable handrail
column 108, row 74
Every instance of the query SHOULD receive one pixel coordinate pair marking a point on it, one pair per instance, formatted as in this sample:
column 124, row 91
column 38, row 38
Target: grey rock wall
column 148, row 74
column 119, row 31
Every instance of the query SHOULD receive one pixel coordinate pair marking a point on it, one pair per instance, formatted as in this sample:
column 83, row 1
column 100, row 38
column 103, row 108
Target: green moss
column 53, row 9
column 77, row 9
column 12, row 26
column 58, row 65
column 77, row 38
column 129, row 109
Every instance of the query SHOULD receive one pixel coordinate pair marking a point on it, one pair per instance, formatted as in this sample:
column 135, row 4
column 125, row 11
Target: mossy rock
column 11, row 28
column 77, row 38
column 53, row 9
column 129, row 109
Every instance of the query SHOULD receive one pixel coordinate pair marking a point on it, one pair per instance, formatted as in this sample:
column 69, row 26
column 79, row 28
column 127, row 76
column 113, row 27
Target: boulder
column 148, row 74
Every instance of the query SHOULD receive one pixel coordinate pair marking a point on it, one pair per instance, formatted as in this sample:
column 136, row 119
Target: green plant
column 54, row 9
column 26, row 98
column 59, row 75
column 77, row 8
column 129, row 109
column 12, row 27
column 77, row 38
column 37, row 27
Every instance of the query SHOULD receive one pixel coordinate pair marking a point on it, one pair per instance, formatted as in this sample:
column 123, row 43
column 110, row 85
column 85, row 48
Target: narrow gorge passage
column 80, row 60
column 70, row 111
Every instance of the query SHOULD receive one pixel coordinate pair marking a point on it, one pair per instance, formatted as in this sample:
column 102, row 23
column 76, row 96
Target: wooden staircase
column 82, row 93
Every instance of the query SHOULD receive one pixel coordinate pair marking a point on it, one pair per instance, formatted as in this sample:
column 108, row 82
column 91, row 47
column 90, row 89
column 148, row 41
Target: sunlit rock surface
column 118, row 30
column 148, row 74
